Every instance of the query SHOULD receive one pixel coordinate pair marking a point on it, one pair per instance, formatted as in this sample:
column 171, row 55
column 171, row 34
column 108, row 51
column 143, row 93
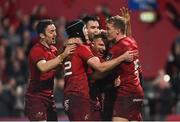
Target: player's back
column 128, row 71
column 75, row 68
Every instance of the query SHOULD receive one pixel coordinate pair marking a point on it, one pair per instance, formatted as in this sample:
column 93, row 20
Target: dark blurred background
column 155, row 26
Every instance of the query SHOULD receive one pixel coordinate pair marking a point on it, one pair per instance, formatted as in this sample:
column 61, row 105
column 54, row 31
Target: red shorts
column 96, row 109
column 77, row 108
column 128, row 107
column 38, row 109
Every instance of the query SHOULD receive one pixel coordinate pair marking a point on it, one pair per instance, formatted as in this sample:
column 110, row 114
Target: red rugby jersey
column 129, row 72
column 75, row 72
column 40, row 83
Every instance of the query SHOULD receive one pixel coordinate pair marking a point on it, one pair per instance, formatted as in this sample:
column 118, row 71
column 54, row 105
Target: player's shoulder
column 37, row 48
column 82, row 47
column 53, row 47
column 128, row 41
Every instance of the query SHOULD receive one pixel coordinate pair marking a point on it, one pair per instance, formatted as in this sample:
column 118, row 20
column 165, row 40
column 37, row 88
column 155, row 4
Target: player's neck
column 119, row 37
column 43, row 42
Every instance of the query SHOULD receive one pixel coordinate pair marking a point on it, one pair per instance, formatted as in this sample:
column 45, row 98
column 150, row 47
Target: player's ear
column 118, row 31
column 93, row 42
column 42, row 35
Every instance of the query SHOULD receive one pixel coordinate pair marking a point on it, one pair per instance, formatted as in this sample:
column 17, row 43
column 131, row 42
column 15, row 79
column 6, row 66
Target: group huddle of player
column 102, row 73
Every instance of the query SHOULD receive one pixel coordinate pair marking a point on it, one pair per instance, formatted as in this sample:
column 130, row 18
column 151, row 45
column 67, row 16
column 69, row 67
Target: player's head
column 115, row 27
column 76, row 28
column 47, row 31
column 98, row 43
column 92, row 26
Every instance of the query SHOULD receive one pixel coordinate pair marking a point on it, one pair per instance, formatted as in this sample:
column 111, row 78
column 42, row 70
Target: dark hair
column 97, row 36
column 75, row 29
column 86, row 19
column 117, row 22
column 42, row 24
column 101, row 35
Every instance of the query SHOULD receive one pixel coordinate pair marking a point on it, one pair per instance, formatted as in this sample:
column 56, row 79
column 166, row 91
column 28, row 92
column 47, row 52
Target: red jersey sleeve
column 84, row 52
column 54, row 50
column 36, row 55
column 126, row 46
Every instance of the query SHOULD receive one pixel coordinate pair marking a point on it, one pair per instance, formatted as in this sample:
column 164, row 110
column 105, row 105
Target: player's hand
column 72, row 41
column 129, row 55
column 125, row 13
column 117, row 82
column 69, row 50
column 102, row 31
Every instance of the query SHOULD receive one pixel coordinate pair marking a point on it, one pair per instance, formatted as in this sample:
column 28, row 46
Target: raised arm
column 125, row 13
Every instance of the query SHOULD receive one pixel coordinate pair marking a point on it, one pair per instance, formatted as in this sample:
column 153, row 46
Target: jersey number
column 67, row 68
column 136, row 67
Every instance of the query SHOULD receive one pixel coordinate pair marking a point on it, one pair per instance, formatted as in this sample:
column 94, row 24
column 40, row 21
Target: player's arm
column 95, row 63
column 96, row 75
column 45, row 66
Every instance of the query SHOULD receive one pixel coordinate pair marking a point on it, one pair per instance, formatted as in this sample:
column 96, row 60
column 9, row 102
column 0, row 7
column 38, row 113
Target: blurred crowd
column 17, row 35
column 163, row 92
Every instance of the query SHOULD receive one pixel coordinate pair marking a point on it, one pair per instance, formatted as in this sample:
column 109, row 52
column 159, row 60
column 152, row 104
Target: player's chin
column 53, row 41
column 109, row 38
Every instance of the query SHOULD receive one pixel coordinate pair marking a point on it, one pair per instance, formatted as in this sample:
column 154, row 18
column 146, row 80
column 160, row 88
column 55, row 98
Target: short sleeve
column 84, row 52
column 127, row 45
column 36, row 55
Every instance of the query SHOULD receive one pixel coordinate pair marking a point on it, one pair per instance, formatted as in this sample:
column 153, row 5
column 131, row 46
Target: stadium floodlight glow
column 166, row 78
column 147, row 16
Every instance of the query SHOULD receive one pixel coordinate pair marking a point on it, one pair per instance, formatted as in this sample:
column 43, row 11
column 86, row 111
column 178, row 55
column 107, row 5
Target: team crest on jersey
column 108, row 56
column 39, row 115
column 66, row 105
